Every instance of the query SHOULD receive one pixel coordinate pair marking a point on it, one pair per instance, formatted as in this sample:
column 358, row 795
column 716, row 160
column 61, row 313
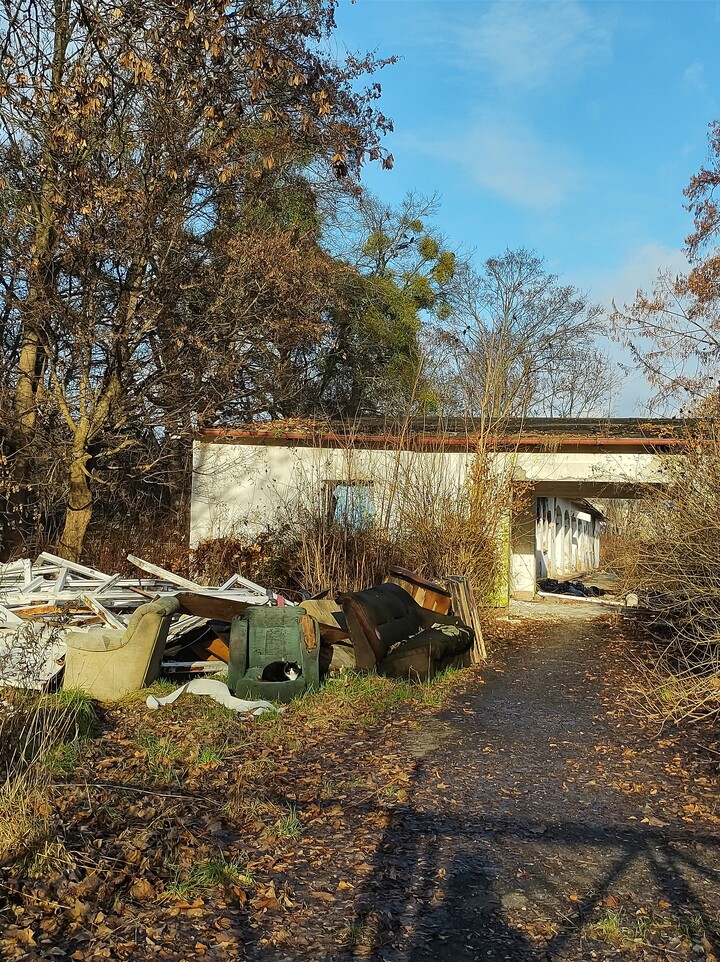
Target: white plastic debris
column 31, row 656
column 218, row 691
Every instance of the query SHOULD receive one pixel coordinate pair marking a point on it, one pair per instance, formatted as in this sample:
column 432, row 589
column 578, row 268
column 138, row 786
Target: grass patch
column 209, row 755
column 162, row 756
column 288, row 825
column 79, row 711
column 609, row 928
column 64, row 716
column 354, row 699
column 207, row 876
column 365, row 932
column 25, row 824
column 50, row 855
column 161, row 687
column 63, row 759
column 619, row 928
column 39, row 739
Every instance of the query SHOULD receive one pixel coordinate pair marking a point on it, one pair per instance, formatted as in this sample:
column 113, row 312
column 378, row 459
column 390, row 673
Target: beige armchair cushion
column 109, row 663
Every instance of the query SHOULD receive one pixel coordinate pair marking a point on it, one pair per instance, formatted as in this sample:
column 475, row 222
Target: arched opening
column 557, row 544
column 567, row 543
column 542, row 539
column 587, row 555
column 574, row 542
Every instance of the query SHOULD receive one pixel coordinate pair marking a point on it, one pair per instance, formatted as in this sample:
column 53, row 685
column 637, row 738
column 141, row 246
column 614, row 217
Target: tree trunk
column 17, row 527
column 79, row 509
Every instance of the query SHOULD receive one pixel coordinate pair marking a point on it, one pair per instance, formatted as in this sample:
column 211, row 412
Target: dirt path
column 542, row 822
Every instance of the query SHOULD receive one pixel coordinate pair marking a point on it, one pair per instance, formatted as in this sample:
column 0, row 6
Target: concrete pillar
column 499, row 593
column 522, row 554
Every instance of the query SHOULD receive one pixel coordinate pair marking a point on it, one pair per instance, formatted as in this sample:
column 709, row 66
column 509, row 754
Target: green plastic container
column 267, row 635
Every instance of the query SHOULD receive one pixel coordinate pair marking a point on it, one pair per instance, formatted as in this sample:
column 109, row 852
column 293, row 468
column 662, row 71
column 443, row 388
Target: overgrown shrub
column 434, row 525
column 672, row 561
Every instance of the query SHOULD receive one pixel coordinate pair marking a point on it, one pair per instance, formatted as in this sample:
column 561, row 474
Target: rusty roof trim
column 461, row 433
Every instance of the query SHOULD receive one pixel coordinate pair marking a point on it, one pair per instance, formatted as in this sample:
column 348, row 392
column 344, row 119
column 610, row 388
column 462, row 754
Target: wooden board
column 211, row 606
column 308, row 629
column 463, row 603
column 324, row 612
column 426, row 593
column 211, row 649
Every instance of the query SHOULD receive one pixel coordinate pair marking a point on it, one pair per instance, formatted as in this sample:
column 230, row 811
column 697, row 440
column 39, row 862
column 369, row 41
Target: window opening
column 350, row 504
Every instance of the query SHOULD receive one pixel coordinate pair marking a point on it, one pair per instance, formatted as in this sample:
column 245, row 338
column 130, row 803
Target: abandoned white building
column 246, row 478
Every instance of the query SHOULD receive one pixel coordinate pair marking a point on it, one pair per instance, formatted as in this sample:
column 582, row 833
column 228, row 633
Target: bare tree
column 673, row 332
column 580, row 383
column 513, row 329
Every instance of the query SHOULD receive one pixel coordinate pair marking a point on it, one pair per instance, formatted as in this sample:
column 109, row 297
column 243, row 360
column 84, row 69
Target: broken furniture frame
column 394, row 636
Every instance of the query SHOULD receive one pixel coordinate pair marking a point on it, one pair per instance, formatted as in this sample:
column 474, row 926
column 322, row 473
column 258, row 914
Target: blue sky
column 563, row 126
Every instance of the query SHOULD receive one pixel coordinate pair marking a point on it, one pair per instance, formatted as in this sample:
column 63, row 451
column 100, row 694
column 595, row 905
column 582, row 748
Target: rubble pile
column 110, row 635
column 41, row 601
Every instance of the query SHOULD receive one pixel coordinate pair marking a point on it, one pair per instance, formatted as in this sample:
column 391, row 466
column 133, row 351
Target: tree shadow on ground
column 446, row 886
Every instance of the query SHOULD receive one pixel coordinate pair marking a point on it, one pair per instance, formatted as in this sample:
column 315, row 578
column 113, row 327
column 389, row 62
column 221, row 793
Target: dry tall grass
column 35, row 731
column 673, row 561
column 436, row 516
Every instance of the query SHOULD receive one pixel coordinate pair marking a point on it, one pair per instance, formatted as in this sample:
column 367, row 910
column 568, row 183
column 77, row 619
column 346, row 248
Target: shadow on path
column 493, row 856
column 441, row 889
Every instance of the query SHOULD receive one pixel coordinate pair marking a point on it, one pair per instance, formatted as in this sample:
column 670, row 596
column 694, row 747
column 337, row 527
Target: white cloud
column 511, row 161
column 638, row 272
column 694, row 77
column 527, row 44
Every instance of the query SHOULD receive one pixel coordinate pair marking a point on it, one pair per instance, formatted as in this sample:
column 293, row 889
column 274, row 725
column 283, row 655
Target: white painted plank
column 185, row 623
column 60, row 581
column 163, row 573
column 105, row 585
column 193, row 666
column 72, row 566
column 36, row 583
column 101, row 611
column 9, row 618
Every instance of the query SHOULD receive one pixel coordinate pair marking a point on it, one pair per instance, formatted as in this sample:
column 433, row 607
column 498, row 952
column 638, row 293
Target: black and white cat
column 281, row 671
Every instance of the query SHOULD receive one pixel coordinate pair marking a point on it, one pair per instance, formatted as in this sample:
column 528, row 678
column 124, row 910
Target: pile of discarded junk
column 108, row 635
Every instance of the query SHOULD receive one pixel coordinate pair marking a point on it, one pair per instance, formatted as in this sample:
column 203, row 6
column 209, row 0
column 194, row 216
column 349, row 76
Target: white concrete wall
column 596, row 467
column 522, row 553
column 242, row 489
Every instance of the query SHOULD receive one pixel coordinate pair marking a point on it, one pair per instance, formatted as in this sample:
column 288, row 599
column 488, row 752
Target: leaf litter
column 540, row 819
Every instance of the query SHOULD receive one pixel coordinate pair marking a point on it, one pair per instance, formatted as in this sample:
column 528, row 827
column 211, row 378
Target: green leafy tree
column 399, row 275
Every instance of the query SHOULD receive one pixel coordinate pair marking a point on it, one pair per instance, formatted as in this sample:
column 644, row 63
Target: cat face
column 281, row 671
